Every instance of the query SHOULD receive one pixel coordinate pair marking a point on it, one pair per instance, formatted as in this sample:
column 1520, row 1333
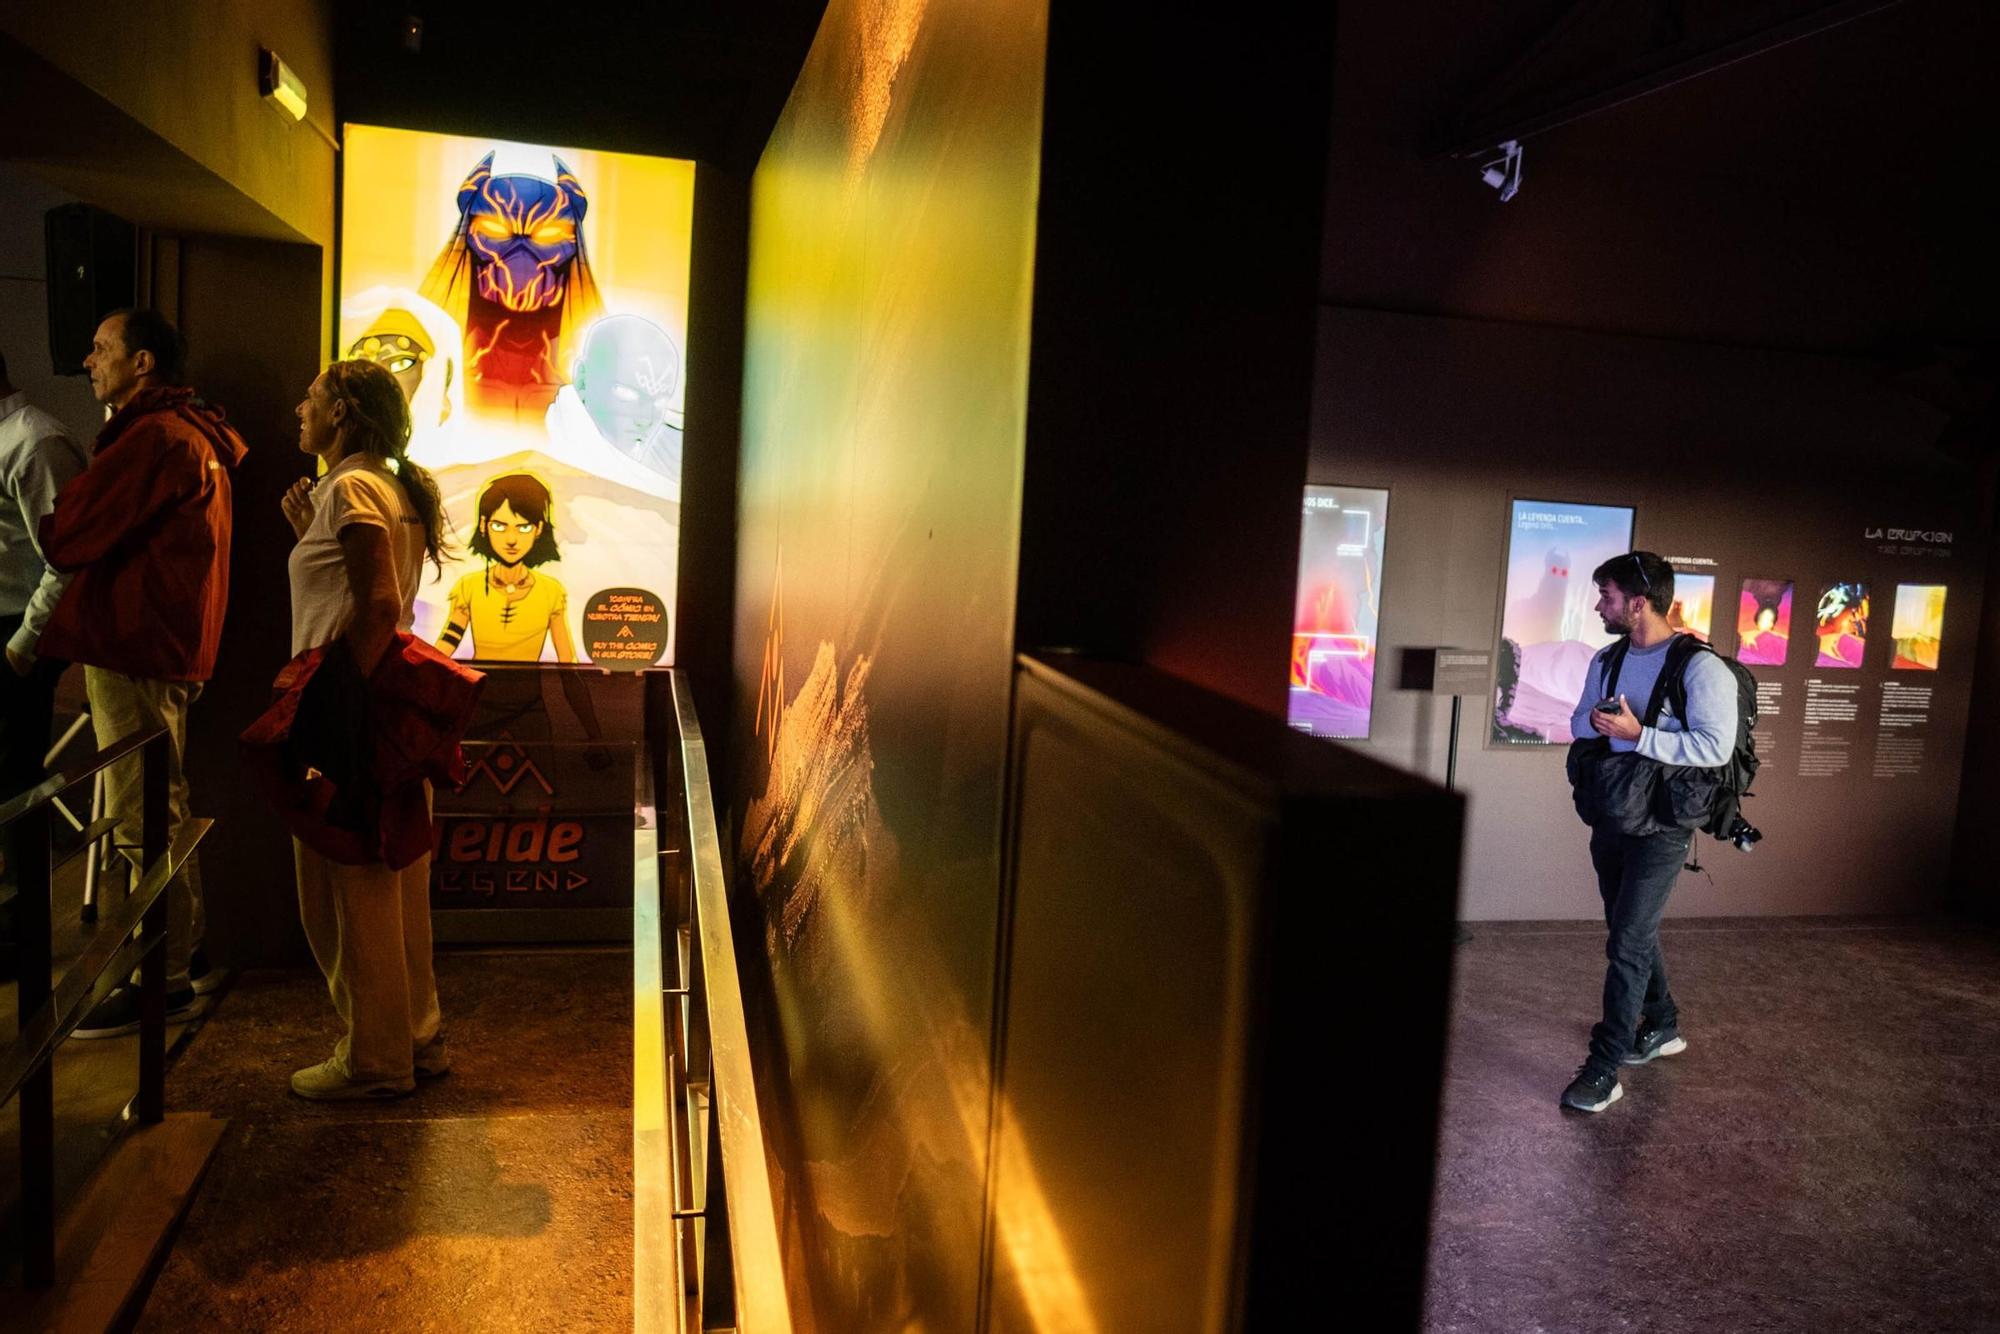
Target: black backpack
column 1725, row 813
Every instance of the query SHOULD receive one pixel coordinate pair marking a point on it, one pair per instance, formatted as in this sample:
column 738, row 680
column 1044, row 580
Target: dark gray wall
column 1171, row 370
column 251, row 313
column 1772, row 464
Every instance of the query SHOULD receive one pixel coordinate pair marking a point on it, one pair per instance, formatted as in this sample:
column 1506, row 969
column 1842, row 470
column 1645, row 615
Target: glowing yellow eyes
column 499, row 527
column 495, row 228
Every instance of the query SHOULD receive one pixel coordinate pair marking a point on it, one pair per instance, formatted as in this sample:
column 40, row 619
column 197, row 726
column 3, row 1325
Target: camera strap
column 1666, row 684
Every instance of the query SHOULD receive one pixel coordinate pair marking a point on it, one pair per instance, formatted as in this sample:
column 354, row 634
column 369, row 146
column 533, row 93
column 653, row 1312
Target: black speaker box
column 93, row 270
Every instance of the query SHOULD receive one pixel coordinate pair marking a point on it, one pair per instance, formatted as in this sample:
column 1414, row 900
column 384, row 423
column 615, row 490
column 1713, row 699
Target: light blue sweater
column 1703, row 740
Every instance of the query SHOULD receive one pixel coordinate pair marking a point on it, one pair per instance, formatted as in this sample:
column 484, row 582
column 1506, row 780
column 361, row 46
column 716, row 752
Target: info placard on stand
column 1456, row 672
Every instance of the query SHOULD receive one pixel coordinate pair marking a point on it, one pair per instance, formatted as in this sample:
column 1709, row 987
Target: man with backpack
column 1657, row 731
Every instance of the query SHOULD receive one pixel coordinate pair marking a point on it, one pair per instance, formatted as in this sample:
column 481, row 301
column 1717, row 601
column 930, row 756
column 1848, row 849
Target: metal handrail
column 47, row 1013
column 111, row 950
column 62, row 780
column 727, row 1264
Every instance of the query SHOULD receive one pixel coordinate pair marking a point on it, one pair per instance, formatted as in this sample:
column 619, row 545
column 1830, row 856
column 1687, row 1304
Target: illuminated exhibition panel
column 1338, row 609
column 1549, row 629
column 1764, row 622
column 1693, row 608
column 532, row 301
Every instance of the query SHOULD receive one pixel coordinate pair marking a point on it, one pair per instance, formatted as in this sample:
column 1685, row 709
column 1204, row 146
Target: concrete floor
column 1824, row 1156
column 498, row 1197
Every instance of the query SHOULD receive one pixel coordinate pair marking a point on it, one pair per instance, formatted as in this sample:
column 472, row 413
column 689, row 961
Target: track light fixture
column 1503, row 173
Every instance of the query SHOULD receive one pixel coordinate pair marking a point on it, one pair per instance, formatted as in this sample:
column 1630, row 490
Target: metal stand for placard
column 1451, row 747
column 1456, row 672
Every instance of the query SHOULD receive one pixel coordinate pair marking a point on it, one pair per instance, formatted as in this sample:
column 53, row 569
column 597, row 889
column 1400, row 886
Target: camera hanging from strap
column 1671, row 682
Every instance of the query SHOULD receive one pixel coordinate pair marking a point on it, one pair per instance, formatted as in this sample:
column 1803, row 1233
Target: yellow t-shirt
column 503, row 628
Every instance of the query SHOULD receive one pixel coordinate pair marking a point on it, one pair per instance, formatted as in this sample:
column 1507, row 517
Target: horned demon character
column 515, row 276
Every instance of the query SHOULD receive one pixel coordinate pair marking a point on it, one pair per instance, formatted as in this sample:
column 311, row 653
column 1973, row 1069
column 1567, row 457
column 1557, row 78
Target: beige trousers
column 120, row 706
column 370, row 930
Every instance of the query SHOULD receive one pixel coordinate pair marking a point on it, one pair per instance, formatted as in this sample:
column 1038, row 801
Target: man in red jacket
column 146, row 529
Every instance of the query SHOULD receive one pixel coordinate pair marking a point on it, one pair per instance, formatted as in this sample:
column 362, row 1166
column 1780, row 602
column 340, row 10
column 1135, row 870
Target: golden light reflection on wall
column 884, row 423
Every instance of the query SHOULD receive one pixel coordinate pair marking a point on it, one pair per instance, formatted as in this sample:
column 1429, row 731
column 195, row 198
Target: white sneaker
column 327, row 1082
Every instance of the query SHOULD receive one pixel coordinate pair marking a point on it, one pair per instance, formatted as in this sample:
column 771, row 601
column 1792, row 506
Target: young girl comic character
column 509, row 607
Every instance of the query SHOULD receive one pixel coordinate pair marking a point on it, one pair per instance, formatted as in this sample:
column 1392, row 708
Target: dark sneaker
column 118, row 1013
column 204, row 976
column 1592, row 1093
column 432, row 1060
column 1655, row 1040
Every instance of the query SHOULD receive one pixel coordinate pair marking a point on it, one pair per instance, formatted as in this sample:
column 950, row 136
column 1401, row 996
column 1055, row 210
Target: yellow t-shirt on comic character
column 505, row 629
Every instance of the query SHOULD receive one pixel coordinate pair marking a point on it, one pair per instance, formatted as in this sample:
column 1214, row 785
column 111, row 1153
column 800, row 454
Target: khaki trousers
column 370, row 930
column 120, row 706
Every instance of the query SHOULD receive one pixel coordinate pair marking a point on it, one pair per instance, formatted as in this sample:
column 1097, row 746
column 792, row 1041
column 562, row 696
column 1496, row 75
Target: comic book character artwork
column 1917, row 627
column 1548, row 633
column 1693, row 607
column 1538, row 618
column 621, row 392
column 1842, row 625
column 511, row 607
column 1764, row 622
column 414, row 341
column 1337, row 610
column 516, row 278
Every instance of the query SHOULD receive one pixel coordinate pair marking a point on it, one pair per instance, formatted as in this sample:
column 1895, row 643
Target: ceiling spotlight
column 1503, row 173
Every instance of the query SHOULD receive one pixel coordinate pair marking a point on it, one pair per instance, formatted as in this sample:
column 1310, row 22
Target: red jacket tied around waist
column 344, row 758
column 146, row 529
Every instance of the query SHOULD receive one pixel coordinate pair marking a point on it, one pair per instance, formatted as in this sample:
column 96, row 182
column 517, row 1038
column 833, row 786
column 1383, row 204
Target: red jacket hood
column 183, row 402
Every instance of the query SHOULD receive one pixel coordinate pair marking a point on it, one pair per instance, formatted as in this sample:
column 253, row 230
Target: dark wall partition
column 884, row 386
column 1029, row 361
column 1221, row 1030
column 1176, row 276
column 251, row 313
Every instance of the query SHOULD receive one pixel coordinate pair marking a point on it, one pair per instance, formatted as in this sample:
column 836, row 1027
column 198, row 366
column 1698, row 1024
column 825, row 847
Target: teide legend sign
column 538, row 825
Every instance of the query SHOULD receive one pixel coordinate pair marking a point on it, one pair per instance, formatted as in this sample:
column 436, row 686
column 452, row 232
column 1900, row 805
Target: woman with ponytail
column 364, row 530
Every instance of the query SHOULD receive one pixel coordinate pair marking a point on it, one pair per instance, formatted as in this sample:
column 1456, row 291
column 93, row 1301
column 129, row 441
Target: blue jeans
column 1635, row 873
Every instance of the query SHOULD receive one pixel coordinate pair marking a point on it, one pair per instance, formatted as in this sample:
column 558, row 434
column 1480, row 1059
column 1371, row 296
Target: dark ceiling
column 1822, row 195
column 701, row 79
column 1825, row 194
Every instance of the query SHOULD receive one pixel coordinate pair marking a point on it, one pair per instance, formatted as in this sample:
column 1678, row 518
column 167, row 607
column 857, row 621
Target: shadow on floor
column 498, row 1196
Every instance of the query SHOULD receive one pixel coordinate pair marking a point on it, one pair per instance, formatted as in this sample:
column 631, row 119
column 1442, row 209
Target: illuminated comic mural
column 1693, row 608
column 1549, row 628
column 1917, row 627
column 1842, row 624
column 1338, row 607
column 1764, row 622
column 532, row 302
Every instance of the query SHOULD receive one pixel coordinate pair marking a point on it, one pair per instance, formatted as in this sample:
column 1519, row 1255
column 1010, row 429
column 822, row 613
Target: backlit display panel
column 532, row 301
column 1338, row 609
